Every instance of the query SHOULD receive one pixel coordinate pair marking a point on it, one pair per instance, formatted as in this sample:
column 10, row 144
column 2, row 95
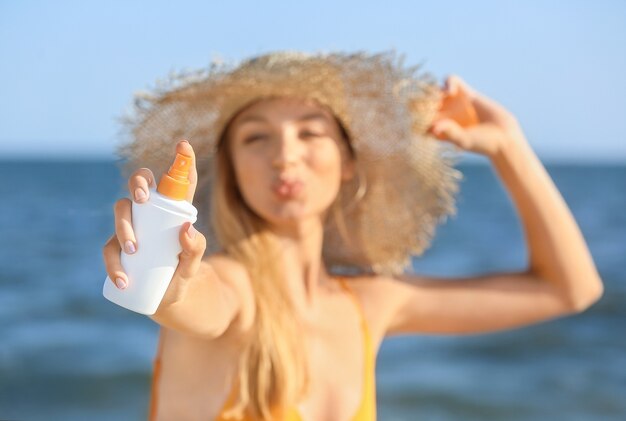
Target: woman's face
column 289, row 158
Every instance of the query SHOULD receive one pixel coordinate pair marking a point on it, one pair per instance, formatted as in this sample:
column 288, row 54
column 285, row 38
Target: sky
column 68, row 69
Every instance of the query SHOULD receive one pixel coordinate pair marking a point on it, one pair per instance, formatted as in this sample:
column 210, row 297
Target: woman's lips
column 287, row 189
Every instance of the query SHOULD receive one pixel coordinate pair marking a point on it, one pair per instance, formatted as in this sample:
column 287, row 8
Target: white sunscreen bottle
column 156, row 223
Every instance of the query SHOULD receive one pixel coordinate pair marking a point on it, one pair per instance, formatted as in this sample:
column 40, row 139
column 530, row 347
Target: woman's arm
column 199, row 301
column 561, row 277
column 203, row 305
column 558, row 253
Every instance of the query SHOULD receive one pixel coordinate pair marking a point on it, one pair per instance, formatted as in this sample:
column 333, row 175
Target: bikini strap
column 367, row 408
column 357, row 303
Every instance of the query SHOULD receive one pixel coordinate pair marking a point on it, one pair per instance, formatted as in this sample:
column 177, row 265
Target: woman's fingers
column 193, row 244
column 139, row 184
column 449, row 129
column 183, row 147
column 485, row 138
column 112, row 263
column 124, row 226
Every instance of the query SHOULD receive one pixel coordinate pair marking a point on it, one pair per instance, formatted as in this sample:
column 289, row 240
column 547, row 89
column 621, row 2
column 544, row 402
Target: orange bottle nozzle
column 175, row 184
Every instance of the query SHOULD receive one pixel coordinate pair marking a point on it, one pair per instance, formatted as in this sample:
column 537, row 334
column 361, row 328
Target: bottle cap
column 175, row 184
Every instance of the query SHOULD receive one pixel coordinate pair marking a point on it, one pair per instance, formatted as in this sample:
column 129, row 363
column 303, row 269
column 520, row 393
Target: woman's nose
column 288, row 150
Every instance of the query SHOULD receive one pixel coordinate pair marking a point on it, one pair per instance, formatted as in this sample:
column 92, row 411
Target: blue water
column 67, row 353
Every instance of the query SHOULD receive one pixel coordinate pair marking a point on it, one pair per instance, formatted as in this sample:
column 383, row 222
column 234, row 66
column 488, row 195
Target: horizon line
column 465, row 158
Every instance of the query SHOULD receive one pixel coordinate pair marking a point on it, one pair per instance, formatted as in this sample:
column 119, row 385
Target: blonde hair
column 272, row 374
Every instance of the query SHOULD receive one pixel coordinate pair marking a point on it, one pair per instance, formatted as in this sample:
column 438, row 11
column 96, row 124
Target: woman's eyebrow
column 313, row 116
column 252, row 118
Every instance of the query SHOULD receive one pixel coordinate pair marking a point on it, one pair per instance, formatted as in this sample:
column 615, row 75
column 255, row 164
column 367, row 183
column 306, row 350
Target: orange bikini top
column 366, row 410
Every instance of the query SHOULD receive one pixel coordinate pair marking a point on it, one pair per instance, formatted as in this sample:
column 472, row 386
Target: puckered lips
column 287, row 188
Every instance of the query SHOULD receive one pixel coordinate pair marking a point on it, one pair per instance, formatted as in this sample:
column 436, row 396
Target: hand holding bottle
column 149, row 257
column 472, row 121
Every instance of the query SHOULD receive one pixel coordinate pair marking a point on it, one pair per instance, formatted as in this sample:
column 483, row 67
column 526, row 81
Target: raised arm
column 561, row 277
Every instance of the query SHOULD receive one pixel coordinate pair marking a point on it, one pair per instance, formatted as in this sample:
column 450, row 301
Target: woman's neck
column 301, row 255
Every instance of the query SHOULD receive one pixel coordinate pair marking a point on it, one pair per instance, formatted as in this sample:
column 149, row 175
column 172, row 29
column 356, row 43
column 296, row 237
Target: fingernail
column 140, row 195
column 184, row 140
column 129, row 247
column 191, row 231
column 120, row 283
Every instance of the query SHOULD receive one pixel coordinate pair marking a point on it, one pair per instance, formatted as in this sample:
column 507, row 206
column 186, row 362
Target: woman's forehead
column 282, row 108
column 292, row 108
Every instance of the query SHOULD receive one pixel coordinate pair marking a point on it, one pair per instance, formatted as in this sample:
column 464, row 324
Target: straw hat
column 406, row 182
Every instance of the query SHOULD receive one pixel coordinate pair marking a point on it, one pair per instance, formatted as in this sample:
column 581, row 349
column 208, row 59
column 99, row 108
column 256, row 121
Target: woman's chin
column 290, row 214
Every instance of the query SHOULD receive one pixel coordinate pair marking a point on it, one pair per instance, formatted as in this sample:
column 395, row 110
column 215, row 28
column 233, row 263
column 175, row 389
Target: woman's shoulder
column 234, row 275
column 225, row 265
column 230, row 271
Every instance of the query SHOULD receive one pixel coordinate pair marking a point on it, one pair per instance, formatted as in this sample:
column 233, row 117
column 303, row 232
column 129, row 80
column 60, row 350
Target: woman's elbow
column 589, row 296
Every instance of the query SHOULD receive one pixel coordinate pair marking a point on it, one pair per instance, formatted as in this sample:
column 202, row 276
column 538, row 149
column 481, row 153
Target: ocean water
column 66, row 353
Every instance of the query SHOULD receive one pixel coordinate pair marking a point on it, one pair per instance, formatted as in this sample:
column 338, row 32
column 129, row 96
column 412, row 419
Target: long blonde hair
column 272, row 374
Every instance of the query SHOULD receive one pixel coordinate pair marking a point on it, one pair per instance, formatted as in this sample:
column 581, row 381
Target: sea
column 66, row 353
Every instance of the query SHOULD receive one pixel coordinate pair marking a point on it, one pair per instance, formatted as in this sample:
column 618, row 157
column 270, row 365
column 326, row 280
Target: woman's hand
column 193, row 243
column 494, row 126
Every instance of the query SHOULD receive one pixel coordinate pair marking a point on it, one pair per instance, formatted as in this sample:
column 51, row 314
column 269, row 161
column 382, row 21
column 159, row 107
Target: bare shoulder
column 226, row 266
column 235, row 277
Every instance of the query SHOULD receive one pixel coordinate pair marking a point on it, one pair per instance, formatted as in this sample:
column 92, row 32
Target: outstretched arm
column 198, row 300
column 561, row 277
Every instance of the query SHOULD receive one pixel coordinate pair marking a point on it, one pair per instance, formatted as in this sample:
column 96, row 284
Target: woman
column 312, row 162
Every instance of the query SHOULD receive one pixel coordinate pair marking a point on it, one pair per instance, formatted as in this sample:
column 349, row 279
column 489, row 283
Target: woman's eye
column 310, row 134
column 254, row 137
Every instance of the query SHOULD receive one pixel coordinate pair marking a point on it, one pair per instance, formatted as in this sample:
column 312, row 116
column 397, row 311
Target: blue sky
column 69, row 68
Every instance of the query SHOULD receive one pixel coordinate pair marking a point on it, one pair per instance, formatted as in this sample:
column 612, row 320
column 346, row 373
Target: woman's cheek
column 328, row 168
column 250, row 181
